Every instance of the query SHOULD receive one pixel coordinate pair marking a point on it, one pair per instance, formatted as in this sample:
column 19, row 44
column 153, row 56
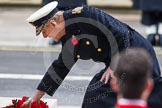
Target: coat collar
column 131, row 103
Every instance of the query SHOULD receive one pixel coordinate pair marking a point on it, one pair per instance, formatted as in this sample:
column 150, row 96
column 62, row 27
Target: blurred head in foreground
column 132, row 71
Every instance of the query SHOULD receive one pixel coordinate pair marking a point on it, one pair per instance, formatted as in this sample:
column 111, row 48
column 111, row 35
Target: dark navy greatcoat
column 136, row 4
column 98, row 36
column 66, row 4
column 151, row 5
column 151, row 11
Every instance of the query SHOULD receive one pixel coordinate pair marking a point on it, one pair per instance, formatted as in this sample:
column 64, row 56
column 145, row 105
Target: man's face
column 51, row 30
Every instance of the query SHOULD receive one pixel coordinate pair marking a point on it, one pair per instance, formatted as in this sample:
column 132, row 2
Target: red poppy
column 34, row 105
column 74, row 40
column 24, row 98
column 17, row 104
column 43, row 104
column 26, row 107
column 14, row 101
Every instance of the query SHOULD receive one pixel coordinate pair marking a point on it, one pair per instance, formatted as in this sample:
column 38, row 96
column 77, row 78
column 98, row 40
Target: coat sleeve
column 55, row 74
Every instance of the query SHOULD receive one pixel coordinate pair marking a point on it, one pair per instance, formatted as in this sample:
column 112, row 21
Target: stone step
column 111, row 3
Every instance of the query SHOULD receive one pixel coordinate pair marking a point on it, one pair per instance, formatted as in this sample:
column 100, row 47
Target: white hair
column 57, row 16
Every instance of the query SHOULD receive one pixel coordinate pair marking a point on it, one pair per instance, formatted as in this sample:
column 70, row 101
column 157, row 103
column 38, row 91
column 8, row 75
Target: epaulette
column 77, row 10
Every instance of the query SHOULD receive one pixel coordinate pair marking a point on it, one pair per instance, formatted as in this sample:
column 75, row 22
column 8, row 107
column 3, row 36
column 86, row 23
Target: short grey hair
column 57, row 16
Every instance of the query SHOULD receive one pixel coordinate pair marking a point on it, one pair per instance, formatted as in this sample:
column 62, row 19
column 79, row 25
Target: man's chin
column 56, row 40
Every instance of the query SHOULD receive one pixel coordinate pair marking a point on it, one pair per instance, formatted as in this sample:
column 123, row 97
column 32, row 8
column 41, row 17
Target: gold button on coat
column 87, row 43
column 99, row 49
column 78, row 56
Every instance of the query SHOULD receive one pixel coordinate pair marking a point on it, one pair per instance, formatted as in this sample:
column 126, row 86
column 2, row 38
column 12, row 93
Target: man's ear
column 53, row 22
column 149, row 85
column 148, row 88
column 114, row 85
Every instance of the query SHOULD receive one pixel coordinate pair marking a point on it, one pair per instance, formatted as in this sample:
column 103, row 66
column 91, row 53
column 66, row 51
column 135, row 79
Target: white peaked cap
column 41, row 16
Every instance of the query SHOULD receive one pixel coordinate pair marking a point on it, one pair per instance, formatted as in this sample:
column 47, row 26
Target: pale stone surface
column 113, row 3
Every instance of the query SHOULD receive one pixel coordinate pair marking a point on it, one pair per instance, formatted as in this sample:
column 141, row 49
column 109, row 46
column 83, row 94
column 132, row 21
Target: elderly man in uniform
column 92, row 34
